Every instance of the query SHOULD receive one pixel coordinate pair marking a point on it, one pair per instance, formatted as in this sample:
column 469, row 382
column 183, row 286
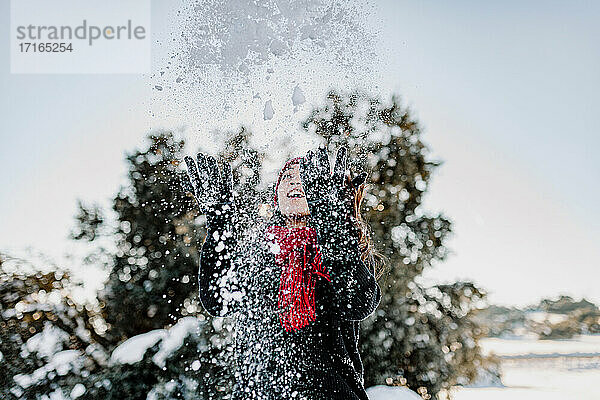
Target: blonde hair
column 369, row 253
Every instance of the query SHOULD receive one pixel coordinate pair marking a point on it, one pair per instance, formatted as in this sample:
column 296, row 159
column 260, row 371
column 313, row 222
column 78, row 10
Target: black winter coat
column 239, row 277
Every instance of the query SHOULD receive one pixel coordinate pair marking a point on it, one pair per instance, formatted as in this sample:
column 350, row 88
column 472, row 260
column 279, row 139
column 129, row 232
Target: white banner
column 80, row 36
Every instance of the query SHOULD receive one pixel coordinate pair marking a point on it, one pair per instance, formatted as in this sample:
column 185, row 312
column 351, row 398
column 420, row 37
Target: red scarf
column 300, row 259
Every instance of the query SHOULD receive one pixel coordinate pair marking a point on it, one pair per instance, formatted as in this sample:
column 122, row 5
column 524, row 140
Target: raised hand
column 320, row 183
column 317, row 180
column 330, row 197
column 213, row 190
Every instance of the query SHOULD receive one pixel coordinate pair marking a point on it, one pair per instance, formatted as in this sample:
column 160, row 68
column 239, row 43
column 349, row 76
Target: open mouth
column 295, row 194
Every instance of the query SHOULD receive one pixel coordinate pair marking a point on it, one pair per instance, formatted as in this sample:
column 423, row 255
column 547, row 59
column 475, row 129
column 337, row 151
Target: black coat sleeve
column 355, row 290
column 356, row 293
column 215, row 261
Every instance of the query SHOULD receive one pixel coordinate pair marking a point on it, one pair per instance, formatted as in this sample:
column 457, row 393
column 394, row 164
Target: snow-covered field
column 580, row 346
column 536, row 381
column 534, row 370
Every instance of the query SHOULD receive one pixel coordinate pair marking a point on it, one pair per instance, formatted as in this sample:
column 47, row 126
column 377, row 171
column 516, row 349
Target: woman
column 298, row 285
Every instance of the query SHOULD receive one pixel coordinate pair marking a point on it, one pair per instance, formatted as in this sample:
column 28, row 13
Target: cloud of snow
column 261, row 64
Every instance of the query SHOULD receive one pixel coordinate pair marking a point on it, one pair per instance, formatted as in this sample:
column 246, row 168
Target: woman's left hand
column 318, row 181
column 320, row 184
column 330, row 199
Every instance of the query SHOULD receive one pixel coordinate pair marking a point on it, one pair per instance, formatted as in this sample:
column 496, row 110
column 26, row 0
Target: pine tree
column 153, row 279
column 420, row 337
column 151, row 283
column 48, row 342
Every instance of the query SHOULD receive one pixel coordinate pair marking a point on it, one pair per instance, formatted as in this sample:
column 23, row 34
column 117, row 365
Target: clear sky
column 506, row 93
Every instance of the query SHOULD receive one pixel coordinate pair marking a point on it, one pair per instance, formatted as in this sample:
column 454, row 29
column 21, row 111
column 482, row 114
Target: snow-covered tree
column 152, row 280
column 153, row 277
column 48, row 342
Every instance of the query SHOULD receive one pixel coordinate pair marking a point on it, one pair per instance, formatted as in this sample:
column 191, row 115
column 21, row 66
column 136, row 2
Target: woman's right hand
column 213, row 190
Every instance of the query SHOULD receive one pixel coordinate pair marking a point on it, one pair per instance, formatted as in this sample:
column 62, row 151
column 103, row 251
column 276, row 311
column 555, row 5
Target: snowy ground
column 580, row 346
column 533, row 381
column 543, row 369
column 535, row 370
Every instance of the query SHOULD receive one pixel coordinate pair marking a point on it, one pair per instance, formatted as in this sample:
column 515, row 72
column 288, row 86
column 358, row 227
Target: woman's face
column 290, row 194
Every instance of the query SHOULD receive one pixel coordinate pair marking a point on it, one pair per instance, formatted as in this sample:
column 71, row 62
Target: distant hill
column 565, row 305
column 550, row 319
